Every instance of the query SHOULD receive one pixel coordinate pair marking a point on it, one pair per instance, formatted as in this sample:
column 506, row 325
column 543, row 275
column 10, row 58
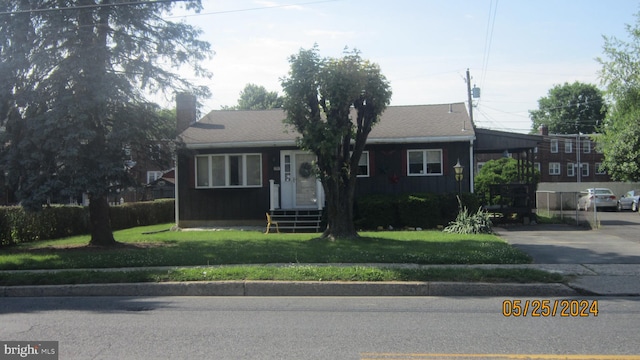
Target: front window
column 363, row 165
column 554, row 145
column 424, row 162
column 586, row 146
column 571, row 169
column 554, row 168
column 229, row 170
column 599, row 169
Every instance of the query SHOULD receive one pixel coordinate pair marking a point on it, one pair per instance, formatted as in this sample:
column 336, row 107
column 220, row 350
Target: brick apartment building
column 569, row 158
column 558, row 155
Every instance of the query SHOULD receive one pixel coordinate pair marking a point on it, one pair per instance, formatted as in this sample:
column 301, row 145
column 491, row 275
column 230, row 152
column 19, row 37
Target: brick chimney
column 185, row 111
column 544, row 130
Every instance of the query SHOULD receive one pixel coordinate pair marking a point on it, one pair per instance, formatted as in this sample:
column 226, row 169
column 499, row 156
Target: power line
column 488, row 41
column 253, row 9
column 93, row 6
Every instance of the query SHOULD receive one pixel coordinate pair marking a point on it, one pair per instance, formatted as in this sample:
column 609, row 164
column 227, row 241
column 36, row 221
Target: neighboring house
column 558, row 157
column 161, row 187
column 146, row 168
column 234, row 166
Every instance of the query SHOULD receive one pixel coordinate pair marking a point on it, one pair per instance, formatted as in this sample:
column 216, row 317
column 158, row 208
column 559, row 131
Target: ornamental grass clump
column 467, row 223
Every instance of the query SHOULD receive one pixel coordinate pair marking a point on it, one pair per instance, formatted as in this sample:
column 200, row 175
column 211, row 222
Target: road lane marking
column 417, row 356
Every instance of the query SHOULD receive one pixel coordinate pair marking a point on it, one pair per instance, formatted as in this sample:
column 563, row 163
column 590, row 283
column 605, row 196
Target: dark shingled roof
column 398, row 124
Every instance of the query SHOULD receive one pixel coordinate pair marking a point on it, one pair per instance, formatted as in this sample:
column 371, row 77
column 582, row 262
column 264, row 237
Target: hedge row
column 427, row 210
column 18, row 225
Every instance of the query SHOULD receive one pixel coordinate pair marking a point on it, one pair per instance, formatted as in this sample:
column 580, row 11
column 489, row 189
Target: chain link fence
column 563, row 205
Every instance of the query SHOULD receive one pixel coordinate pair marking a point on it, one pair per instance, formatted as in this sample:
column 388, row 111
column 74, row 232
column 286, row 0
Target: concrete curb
column 283, row 288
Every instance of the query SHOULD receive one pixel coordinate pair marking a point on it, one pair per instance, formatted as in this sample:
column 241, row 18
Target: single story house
column 235, row 166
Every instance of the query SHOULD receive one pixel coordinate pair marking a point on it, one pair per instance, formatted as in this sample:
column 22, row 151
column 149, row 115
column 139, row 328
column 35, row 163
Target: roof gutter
column 371, row 141
column 244, row 144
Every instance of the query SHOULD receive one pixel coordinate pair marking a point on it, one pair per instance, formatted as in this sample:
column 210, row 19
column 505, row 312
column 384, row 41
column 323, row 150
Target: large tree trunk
column 101, row 232
column 339, row 210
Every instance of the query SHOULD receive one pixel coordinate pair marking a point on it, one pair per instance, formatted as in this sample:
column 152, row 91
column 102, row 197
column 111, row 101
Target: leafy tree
column 496, row 172
column 620, row 73
column 493, row 172
column 255, row 97
column 620, row 139
column 320, row 93
column 570, row 109
column 73, row 80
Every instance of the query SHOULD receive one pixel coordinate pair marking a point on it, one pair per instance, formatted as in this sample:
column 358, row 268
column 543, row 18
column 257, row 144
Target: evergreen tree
column 73, row 80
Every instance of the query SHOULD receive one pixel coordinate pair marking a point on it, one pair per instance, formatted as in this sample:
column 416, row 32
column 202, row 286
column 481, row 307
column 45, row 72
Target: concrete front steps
column 296, row 220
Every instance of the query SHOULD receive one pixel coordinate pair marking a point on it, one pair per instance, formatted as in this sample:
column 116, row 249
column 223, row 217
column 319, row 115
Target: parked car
column 629, row 201
column 602, row 198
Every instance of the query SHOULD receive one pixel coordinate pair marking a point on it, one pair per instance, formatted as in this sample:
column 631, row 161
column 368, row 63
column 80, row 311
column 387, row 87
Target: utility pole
column 578, row 139
column 469, row 96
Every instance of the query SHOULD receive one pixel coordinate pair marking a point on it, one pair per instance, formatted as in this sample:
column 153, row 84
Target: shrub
column 18, row 225
column 131, row 215
column 49, row 223
column 420, row 210
column 376, row 210
column 466, row 223
column 425, row 210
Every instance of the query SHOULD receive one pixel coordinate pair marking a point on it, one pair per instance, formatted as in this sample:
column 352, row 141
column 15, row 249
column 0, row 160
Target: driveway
column 616, row 242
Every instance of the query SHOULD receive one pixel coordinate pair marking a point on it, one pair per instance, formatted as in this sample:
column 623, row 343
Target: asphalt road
column 314, row 328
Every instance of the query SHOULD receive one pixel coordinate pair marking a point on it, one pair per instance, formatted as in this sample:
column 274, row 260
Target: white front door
column 299, row 186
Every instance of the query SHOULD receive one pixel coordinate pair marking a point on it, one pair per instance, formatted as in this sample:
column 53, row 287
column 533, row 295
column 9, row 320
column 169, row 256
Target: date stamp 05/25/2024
column 549, row 308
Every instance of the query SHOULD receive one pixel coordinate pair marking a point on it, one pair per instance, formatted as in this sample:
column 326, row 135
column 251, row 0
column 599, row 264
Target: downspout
column 176, row 192
column 471, row 167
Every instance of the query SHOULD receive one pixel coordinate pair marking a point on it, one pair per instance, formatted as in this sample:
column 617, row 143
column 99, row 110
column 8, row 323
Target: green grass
column 203, row 248
column 545, row 218
column 288, row 273
column 246, row 255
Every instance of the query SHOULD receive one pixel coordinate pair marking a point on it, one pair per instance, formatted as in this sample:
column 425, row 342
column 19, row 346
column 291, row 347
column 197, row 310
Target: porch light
column 459, row 175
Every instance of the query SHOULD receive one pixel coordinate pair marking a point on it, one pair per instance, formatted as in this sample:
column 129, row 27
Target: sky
column 515, row 50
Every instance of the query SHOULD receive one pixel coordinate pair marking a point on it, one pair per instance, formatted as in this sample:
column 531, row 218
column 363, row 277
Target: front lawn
column 149, row 246
column 252, row 255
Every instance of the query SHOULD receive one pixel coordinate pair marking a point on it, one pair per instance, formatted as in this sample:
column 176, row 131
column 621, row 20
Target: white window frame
column 244, row 182
column 553, row 146
column 586, row 146
column 153, row 176
column 568, row 146
column 538, row 167
column 554, row 168
column 585, row 169
column 425, row 168
column 479, row 166
column 364, row 162
column 571, row 169
column 599, row 170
